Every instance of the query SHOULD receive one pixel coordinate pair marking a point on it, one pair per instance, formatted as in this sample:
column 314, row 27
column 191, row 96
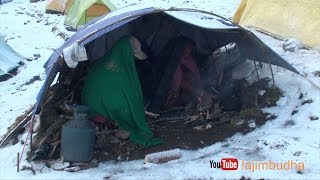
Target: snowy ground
column 289, row 137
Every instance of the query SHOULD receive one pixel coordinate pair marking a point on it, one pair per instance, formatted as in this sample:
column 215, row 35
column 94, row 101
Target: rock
column 36, row 56
column 291, row 45
column 59, row 166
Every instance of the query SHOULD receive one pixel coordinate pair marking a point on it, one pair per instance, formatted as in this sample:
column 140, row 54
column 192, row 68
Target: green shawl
column 112, row 89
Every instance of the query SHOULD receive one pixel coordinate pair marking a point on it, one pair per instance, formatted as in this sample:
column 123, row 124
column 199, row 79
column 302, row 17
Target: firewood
column 150, row 114
column 172, row 109
column 193, row 118
column 21, row 121
column 168, row 119
column 163, row 157
column 55, row 145
column 28, row 168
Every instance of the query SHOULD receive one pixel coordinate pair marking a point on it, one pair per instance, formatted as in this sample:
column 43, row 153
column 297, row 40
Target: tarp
column 9, row 59
column 81, row 12
column 285, row 18
column 207, row 30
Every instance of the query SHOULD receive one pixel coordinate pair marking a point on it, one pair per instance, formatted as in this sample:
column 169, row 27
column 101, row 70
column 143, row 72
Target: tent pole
column 256, row 94
column 271, row 71
column 255, row 67
column 267, row 56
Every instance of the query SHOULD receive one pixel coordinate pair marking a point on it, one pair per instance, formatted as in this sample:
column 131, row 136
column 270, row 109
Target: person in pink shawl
column 186, row 83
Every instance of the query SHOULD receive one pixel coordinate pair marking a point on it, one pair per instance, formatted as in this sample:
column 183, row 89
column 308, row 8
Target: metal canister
column 78, row 136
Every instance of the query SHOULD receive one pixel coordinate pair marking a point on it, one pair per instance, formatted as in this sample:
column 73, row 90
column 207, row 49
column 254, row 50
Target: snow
column 24, row 27
column 291, row 44
column 202, row 20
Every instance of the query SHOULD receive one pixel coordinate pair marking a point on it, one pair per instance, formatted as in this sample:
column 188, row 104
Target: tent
column 58, row 6
column 4, row 1
column 9, row 59
column 154, row 27
column 283, row 18
column 81, row 12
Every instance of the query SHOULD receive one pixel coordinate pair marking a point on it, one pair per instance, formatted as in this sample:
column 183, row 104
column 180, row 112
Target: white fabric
column 136, row 48
column 75, row 54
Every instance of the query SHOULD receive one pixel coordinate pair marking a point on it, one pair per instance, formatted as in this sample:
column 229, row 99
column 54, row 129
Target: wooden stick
column 269, row 62
column 54, row 144
column 18, row 162
column 15, row 130
column 271, row 74
column 172, row 109
column 167, row 119
column 152, row 114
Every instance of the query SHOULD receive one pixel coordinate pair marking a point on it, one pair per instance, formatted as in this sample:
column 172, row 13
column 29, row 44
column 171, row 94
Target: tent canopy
column 81, row 12
column 284, row 18
column 154, row 28
column 58, row 6
column 9, row 59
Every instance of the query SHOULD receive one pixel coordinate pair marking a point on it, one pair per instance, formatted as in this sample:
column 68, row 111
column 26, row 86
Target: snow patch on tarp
column 202, row 20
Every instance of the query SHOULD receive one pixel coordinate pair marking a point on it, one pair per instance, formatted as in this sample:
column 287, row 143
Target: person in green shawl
column 112, row 90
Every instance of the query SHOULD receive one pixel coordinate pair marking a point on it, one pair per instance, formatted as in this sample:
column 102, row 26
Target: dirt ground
column 175, row 135
column 175, row 132
column 178, row 134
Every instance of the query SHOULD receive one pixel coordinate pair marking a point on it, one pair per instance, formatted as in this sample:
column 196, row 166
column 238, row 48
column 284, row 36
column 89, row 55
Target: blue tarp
column 156, row 26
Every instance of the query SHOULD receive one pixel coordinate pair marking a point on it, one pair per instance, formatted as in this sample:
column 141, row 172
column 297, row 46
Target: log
column 163, row 157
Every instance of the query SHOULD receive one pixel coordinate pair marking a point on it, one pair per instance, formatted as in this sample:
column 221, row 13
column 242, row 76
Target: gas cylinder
column 78, row 136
